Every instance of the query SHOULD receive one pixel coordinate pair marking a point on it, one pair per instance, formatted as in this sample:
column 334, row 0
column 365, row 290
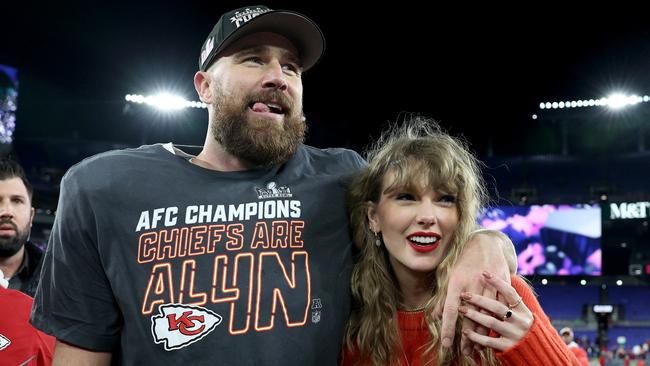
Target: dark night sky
column 481, row 70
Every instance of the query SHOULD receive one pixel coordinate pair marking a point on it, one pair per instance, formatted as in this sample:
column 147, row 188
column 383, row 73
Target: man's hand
column 486, row 250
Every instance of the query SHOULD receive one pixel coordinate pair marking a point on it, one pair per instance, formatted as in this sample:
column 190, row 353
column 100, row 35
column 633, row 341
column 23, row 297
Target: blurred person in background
column 21, row 343
column 579, row 352
column 20, row 259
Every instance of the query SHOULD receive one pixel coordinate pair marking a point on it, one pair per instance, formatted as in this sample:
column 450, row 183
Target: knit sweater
column 542, row 346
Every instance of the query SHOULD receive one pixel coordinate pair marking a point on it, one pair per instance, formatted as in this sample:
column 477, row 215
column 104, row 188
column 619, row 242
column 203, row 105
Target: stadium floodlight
column 614, row 101
column 164, row 101
column 617, row 101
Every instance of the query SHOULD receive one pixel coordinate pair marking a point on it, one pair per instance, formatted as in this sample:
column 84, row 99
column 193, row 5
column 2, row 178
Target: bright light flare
column 164, row 101
column 614, row 101
column 617, row 101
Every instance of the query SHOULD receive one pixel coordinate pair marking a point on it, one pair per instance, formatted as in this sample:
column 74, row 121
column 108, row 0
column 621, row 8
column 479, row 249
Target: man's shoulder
column 337, row 156
column 15, row 298
column 114, row 161
column 120, row 156
column 330, row 152
column 105, row 169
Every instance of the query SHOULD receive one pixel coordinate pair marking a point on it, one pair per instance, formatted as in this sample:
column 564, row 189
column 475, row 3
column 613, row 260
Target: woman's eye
column 448, row 198
column 404, row 197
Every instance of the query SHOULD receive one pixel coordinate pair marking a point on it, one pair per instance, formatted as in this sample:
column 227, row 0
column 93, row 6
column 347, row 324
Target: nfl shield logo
column 315, row 316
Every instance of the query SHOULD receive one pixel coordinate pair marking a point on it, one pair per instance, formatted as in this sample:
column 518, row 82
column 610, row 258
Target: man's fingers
column 449, row 316
column 466, row 343
column 507, row 293
column 490, row 293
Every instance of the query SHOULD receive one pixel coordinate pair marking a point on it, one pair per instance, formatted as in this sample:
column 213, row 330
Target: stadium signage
column 629, row 210
column 603, row 309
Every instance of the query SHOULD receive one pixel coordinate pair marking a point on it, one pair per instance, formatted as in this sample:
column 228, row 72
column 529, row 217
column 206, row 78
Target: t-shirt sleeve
column 352, row 163
column 74, row 301
column 542, row 343
column 357, row 161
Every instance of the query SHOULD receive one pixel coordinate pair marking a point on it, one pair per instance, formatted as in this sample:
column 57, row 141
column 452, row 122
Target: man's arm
column 74, row 286
column 69, row 355
column 486, row 250
column 507, row 248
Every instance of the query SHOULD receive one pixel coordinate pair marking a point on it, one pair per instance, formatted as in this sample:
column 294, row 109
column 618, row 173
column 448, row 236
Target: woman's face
column 416, row 227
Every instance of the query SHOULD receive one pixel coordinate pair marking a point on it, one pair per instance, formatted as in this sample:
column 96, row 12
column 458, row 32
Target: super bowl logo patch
column 4, row 342
column 178, row 325
column 272, row 190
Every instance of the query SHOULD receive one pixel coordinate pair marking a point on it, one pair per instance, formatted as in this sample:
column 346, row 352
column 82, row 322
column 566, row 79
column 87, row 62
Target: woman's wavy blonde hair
column 416, row 151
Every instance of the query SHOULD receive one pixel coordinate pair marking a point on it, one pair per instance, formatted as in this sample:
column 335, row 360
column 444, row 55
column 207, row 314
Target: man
column 19, row 258
column 238, row 255
column 567, row 335
column 20, row 342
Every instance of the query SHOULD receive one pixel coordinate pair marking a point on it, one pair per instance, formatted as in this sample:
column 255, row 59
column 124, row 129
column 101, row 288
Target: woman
column 412, row 210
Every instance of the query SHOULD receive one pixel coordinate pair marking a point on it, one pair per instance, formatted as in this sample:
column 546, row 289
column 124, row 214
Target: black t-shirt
column 163, row 262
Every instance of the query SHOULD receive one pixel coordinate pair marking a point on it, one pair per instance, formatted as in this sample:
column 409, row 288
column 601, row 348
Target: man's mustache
column 9, row 222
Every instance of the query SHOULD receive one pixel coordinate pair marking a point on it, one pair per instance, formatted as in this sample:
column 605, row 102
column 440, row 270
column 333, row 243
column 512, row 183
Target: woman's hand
column 481, row 254
column 508, row 316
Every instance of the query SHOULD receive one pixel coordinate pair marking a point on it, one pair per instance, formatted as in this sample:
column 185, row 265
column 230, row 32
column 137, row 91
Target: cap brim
column 566, row 331
column 297, row 28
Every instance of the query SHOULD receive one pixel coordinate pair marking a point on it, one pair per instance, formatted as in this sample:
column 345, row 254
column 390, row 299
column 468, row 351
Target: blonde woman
column 412, row 210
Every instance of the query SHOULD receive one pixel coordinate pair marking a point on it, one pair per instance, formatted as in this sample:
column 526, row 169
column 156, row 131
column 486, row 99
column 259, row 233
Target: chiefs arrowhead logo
column 4, row 342
column 178, row 325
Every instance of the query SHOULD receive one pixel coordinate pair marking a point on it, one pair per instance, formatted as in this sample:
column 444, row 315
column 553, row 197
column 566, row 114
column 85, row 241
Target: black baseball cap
column 297, row 28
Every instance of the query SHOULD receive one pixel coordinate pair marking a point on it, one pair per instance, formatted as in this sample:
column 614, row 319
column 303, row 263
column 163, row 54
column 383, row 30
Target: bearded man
column 237, row 255
column 20, row 259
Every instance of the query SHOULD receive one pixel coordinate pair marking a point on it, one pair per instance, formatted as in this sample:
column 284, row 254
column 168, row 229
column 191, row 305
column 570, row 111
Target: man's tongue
column 260, row 108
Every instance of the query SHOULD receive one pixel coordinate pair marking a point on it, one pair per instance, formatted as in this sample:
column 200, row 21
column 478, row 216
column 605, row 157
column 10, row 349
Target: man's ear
column 372, row 217
column 202, row 82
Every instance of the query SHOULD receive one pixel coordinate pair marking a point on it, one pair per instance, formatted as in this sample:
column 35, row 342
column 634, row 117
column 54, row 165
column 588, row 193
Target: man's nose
column 274, row 77
column 6, row 211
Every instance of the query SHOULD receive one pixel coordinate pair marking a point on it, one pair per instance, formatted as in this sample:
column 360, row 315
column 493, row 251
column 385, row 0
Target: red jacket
column 542, row 346
column 21, row 343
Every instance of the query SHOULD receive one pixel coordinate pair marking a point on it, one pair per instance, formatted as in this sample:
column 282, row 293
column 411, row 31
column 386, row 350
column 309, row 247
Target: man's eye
column 294, row 69
column 254, row 59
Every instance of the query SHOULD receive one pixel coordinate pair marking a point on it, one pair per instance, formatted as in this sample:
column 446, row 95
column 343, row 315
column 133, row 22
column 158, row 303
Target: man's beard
column 256, row 140
column 10, row 245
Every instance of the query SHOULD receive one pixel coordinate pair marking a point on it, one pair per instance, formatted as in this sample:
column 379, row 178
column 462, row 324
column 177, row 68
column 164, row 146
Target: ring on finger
column 515, row 304
column 507, row 315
